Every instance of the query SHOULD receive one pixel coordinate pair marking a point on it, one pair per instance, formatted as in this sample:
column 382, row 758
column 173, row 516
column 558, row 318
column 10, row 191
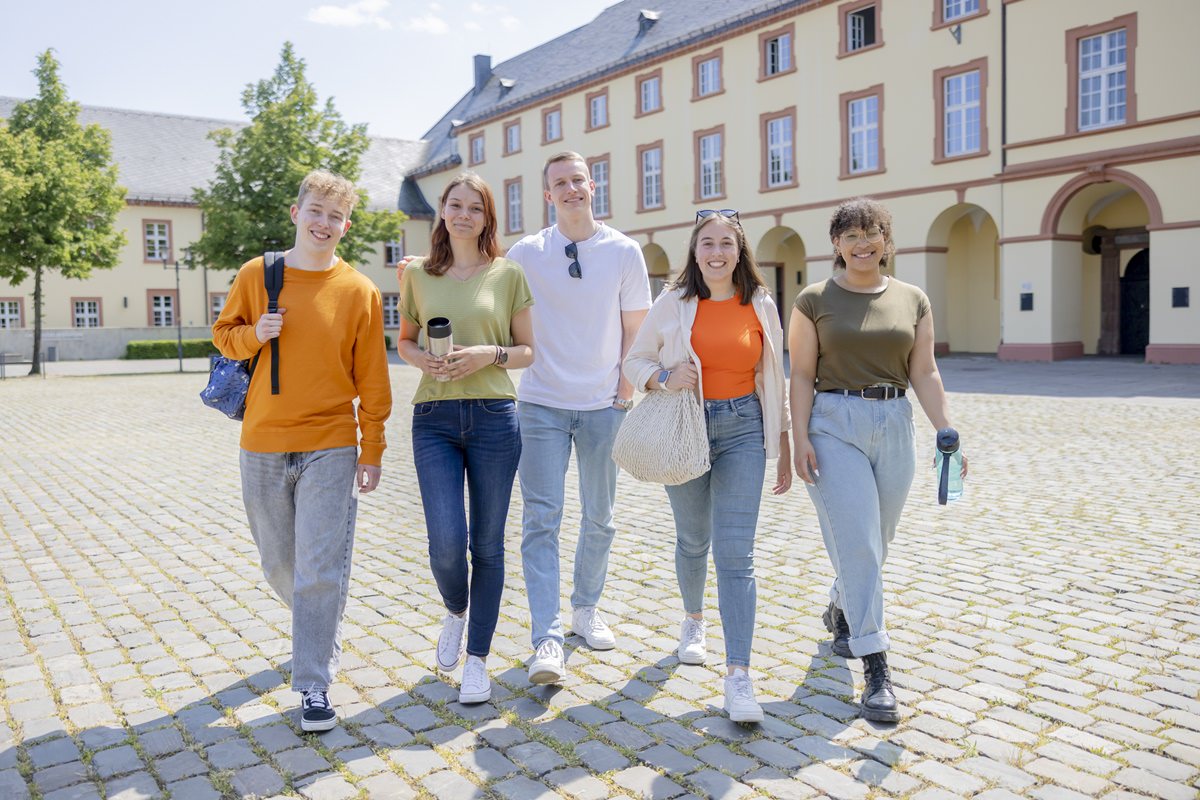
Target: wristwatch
column 624, row 405
column 663, row 375
column 502, row 357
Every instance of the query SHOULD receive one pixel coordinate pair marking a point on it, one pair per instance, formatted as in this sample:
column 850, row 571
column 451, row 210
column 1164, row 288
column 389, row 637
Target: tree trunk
column 36, row 369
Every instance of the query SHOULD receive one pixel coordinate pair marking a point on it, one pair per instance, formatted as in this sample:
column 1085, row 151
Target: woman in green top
column 859, row 339
column 464, row 415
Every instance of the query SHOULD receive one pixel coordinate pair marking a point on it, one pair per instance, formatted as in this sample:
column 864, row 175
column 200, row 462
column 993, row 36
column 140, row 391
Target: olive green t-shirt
column 863, row 339
column 480, row 311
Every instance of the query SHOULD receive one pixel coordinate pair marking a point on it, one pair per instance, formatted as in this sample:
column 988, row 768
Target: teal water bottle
column 947, row 466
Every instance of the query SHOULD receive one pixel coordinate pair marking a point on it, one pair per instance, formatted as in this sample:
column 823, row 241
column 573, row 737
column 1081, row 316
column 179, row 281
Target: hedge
column 168, row 348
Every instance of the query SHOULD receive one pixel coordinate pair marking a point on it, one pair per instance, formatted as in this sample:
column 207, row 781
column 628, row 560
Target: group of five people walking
column 571, row 306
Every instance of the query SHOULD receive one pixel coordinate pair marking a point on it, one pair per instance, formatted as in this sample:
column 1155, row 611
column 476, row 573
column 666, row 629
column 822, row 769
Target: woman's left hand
column 783, row 475
column 463, row 361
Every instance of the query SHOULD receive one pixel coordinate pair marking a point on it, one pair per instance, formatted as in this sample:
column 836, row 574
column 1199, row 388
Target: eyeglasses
column 574, row 270
column 871, row 235
column 727, row 213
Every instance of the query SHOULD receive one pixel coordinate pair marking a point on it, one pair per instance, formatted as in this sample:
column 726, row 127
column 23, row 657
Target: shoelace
column 693, row 629
column 741, row 687
column 474, row 676
column 594, row 622
column 318, row 700
column 547, row 649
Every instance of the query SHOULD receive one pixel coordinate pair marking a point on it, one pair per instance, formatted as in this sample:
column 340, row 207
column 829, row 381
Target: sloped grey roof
column 164, row 157
column 609, row 43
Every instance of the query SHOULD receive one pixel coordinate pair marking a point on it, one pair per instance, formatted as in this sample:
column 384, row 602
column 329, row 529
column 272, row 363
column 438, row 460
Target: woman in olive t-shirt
column 859, row 339
column 464, row 415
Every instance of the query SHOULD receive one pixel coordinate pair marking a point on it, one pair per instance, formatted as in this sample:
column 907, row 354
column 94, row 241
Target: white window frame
column 85, row 313
column 477, row 151
column 553, row 130
column 393, row 252
column 10, row 314
column 600, row 199
column 652, row 188
column 158, row 240
column 856, row 28
column 863, row 133
column 216, row 304
column 957, row 9
column 651, row 94
column 781, row 153
column 962, row 114
column 512, row 208
column 778, row 54
column 391, row 311
column 708, row 76
column 1107, row 78
column 711, row 153
column 598, row 111
column 512, row 138
column 162, row 310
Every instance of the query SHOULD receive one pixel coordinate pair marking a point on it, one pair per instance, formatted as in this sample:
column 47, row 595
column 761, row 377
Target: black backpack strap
column 273, row 280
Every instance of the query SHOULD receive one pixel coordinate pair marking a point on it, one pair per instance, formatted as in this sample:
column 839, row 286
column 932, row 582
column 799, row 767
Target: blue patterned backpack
column 229, row 379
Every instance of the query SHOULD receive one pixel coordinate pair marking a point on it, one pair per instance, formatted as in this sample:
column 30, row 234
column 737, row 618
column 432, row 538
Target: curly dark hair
column 862, row 213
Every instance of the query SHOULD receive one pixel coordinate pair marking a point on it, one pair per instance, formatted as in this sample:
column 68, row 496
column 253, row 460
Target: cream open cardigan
column 665, row 341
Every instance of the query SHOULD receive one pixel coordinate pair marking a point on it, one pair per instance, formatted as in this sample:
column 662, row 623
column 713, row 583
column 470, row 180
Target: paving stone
column 577, row 783
column 668, row 759
column 599, row 757
column 12, row 785
column 197, row 789
column 327, row 787
column 139, row 786
column 1063, row 775
column 56, row 777
column 387, row 787
column 231, row 755
column 645, row 783
column 117, row 761
column 446, row 785
column 883, row 776
column 832, row 783
column 1141, row 780
column 535, row 757
column 82, row 791
column 522, row 788
column 261, row 779
column 776, row 784
column 997, row 772
column 725, row 760
column 179, row 766
column 301, row 762
column 487, row 763
column 55, row 751
column 711, row 783
column 417, row 760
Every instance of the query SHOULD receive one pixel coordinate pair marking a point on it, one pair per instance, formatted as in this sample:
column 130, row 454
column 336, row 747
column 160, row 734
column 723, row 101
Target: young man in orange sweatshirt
column 303, row 462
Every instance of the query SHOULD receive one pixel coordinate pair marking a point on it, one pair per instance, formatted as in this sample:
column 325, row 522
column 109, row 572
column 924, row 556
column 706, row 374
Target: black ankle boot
column 835, row 623
column 878, row 700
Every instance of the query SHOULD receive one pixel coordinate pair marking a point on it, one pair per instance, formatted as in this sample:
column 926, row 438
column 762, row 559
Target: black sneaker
column 316, row 713
column 835, row 623
column 878, row 700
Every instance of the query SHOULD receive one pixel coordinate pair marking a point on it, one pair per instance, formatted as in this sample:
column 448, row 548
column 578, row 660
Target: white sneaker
column 587, row 622
column 739, row 698
column 476, row 687
column 451, row 642
column 692, row 643
column 547, row 664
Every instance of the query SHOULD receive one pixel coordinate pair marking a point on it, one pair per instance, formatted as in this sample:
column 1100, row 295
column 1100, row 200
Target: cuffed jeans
column 866, row 457
column 546, row 438
column 720, row 508
column 301, row 508
column 481, row 439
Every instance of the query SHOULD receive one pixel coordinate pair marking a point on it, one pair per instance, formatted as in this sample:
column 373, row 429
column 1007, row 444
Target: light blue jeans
column 547, row 435
column 721, row 508
column 302, row 508
column 866, row 457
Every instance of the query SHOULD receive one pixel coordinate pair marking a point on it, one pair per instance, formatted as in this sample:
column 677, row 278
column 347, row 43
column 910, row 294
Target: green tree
column 261, row 165
column 59, row 196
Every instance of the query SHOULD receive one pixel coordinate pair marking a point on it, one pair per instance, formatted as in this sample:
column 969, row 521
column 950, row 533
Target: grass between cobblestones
column 1046, row 629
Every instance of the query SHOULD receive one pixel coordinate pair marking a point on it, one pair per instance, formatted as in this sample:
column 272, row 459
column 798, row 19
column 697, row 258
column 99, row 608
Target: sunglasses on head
column 574, row 270
column 727, row 213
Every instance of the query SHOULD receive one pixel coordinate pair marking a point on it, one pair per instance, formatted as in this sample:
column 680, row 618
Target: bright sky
column 393, row 64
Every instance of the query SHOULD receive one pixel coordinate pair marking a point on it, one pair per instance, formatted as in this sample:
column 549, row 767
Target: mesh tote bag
column 664, row 439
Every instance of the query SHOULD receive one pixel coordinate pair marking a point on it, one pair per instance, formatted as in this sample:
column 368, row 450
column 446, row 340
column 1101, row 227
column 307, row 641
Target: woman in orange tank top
column 716, row 332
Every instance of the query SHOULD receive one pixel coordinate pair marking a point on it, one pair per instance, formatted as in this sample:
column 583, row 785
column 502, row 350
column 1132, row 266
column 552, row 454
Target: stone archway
column 658, row 266
column 962, row 279
column 781, row 257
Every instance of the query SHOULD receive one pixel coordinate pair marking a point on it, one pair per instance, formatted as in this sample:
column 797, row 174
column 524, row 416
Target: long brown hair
column 862, row 213
column 441, row 257
column 746, row 277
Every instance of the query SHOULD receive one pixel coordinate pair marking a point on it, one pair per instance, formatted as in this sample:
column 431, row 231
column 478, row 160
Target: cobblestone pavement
column 1046, row 628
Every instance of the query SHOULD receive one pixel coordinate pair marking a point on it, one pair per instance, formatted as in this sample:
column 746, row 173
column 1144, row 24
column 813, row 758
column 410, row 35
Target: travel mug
column 948, row 466
column 438, row 340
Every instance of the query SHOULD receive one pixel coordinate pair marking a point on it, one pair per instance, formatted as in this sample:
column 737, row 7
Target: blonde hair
column 565, row 155
column 329, row 185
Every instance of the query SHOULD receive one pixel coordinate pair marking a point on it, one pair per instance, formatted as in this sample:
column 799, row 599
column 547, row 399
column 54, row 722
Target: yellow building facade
column 1033, row 153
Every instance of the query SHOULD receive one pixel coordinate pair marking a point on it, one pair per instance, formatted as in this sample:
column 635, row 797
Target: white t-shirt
column 577, row 322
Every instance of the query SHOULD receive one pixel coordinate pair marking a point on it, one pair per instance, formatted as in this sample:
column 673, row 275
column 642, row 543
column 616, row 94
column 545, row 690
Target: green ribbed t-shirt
column 480, row 311
column 863, row 339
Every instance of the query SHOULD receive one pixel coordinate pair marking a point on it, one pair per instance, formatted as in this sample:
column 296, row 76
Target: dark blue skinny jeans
column 481, row 441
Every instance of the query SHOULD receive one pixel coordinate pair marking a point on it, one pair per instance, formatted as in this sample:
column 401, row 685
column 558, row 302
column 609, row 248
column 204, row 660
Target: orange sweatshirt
column 331, row 350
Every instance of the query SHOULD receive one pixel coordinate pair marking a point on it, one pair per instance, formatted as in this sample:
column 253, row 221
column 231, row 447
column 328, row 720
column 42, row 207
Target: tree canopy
column 59, row 196
column 262, row 164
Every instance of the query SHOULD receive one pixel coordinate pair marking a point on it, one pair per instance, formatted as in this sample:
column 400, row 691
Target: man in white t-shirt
column 591, row 293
